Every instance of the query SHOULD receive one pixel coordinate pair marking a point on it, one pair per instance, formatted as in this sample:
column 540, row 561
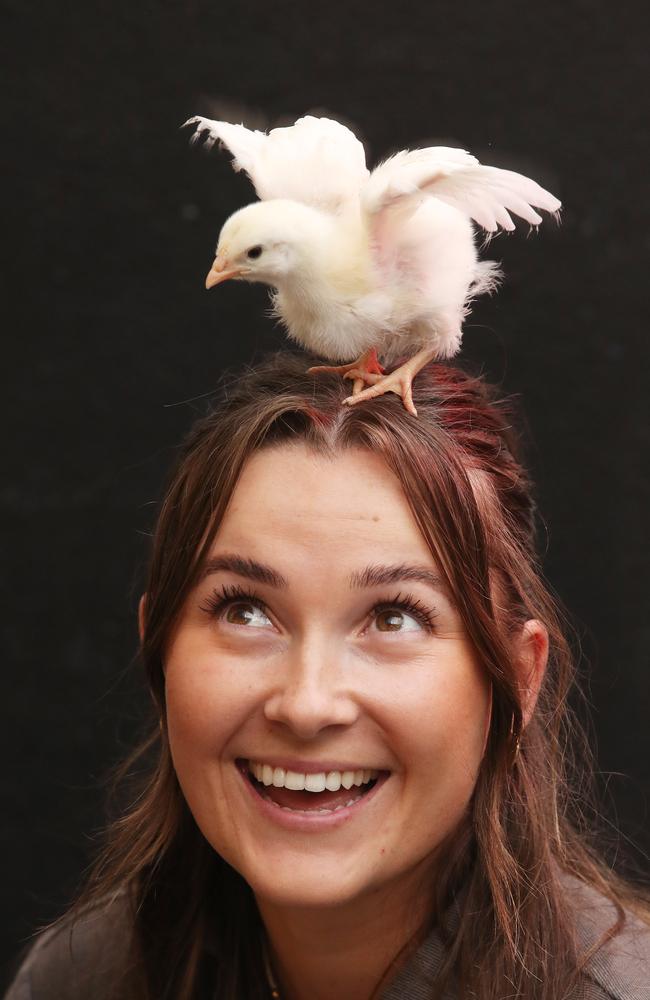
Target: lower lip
column 310, row 822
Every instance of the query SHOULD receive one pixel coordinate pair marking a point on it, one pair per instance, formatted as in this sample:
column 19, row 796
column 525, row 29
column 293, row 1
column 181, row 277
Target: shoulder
column 620, row 968
column 77, row 959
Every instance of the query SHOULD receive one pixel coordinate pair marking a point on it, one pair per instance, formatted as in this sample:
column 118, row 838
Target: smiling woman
column 322, row 699
column 367, row 781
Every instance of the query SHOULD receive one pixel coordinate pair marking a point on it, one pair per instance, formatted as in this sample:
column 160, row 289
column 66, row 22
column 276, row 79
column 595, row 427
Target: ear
column 531, row 656
column 142, row 611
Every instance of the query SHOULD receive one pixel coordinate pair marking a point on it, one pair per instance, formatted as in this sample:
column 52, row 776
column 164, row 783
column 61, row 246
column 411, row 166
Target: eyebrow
column 371, row 576
column 374, row 576
column 249, row 568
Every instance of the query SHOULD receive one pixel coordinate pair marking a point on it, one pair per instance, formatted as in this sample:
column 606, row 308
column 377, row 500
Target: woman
column 363, row 781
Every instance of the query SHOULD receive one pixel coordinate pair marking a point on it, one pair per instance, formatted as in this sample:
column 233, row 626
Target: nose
column 312, row 692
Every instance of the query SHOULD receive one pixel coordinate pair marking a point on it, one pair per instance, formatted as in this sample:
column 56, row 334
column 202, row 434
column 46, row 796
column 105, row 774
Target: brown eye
column 403, row 615
column 389, row 621
column 245, row 614
column 254, row 252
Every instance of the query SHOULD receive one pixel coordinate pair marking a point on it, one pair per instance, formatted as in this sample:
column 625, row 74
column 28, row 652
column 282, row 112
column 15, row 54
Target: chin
column 305, row 892
column 306, row 881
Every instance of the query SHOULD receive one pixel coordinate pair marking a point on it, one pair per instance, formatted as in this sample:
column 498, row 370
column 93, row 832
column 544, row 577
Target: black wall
column 109, row 225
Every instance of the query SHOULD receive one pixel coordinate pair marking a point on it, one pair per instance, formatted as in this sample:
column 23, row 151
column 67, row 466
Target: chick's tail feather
column 487, row 278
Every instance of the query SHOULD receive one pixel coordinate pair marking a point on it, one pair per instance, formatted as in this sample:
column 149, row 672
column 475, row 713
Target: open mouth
column 323, row 792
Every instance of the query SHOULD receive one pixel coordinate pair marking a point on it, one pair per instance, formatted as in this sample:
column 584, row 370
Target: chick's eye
column 241, row 613
column 254, row 252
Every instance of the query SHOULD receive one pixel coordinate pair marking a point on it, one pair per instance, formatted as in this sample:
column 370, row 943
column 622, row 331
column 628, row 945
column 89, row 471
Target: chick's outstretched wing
column 486, row 194
column 317, row 161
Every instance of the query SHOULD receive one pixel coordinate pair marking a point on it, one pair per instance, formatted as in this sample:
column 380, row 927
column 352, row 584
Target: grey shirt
column 81, row 965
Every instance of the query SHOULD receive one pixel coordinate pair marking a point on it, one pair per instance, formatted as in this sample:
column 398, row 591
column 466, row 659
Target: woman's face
column 322, row 648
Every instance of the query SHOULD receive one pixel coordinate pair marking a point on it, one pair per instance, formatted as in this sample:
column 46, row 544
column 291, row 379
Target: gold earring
column 517, row 740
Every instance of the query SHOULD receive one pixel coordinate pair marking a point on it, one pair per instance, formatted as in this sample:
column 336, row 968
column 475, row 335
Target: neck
column 343, row 951
column 334, row 265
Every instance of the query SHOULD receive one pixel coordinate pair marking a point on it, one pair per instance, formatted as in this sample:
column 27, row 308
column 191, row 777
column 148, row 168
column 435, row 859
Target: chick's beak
column 220, row 271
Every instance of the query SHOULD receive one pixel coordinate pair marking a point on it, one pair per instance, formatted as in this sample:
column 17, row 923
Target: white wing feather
column 486, row 194
column 317, row 161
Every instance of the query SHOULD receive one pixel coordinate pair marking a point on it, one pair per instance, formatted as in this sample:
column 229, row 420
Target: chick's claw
column 370, row 377
column 398, row 382
column 361, row 377
column 361, row 370
column 336, row 369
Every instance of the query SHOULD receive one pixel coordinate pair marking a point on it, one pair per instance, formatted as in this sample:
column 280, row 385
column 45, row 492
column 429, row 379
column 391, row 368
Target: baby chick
column 365, row 264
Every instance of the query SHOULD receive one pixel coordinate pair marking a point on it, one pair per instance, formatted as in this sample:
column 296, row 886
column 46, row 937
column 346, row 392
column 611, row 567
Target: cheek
column 207, row 702
column 444, row 708
column 206, row 706
column 441, row 725
column 466, row 715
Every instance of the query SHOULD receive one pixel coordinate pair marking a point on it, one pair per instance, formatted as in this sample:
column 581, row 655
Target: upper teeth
column 294, row 780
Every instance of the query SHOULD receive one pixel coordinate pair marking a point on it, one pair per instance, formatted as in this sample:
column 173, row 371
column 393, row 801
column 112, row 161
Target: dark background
column 111, row 340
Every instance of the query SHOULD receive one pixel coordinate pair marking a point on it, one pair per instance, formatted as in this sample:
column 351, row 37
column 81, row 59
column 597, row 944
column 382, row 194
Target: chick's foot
column 366, row 369
column 400, row 381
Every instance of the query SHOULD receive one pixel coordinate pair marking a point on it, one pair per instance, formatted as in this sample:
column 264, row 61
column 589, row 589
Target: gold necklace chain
column 270, row 978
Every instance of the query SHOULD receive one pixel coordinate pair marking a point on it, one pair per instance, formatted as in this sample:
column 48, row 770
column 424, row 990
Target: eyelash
column 228, row 594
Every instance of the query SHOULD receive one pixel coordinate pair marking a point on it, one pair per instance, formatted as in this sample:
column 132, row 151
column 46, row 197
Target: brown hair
column 531, row 815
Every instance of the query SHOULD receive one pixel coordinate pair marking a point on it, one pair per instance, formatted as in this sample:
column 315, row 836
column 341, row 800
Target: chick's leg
column 365, row 369
column 399, row 381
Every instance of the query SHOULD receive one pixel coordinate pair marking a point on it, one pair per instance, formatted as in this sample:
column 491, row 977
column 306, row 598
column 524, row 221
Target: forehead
column 290, row 497
column 231, row 228
column 251, row 217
